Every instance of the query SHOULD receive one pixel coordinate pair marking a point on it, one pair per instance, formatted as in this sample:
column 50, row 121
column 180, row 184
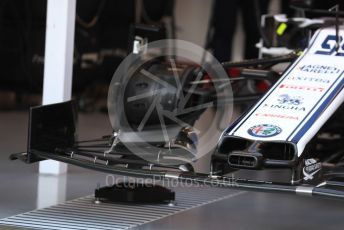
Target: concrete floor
column 19, row 188
column 21, row 191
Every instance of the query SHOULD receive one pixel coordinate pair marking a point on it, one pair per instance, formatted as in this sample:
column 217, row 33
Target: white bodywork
column 307, row 94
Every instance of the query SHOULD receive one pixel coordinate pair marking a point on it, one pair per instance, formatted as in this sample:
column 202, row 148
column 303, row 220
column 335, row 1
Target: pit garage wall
column 195, row 14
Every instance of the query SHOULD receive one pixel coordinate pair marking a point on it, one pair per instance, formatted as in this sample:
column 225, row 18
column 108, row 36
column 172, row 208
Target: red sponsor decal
column 277, row 116
column 302, row 87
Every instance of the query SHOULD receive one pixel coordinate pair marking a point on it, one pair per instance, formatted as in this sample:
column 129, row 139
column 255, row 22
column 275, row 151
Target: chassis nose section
column 245, row 160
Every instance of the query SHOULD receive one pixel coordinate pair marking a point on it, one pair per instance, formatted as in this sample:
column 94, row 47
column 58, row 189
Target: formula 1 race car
column 294, row 123
column 295, row 126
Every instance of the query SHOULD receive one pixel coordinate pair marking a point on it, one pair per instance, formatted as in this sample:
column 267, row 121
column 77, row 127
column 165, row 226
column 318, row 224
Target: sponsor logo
column 302, row 87
column 264, row 130
column 322, row 69
column 289, row 117
column 310, row 79
column 285, row 107
column 286, row 99
column 328, row 46
column 311, row 168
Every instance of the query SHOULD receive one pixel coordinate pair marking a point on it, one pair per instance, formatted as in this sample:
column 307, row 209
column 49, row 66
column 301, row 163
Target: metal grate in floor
column 83, row 213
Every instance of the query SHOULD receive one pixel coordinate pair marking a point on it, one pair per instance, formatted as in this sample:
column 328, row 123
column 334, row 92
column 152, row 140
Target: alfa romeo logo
column 264, row 130
column 167, row 104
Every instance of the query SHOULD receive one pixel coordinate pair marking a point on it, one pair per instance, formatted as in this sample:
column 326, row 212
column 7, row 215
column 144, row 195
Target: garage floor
column 21, row 191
